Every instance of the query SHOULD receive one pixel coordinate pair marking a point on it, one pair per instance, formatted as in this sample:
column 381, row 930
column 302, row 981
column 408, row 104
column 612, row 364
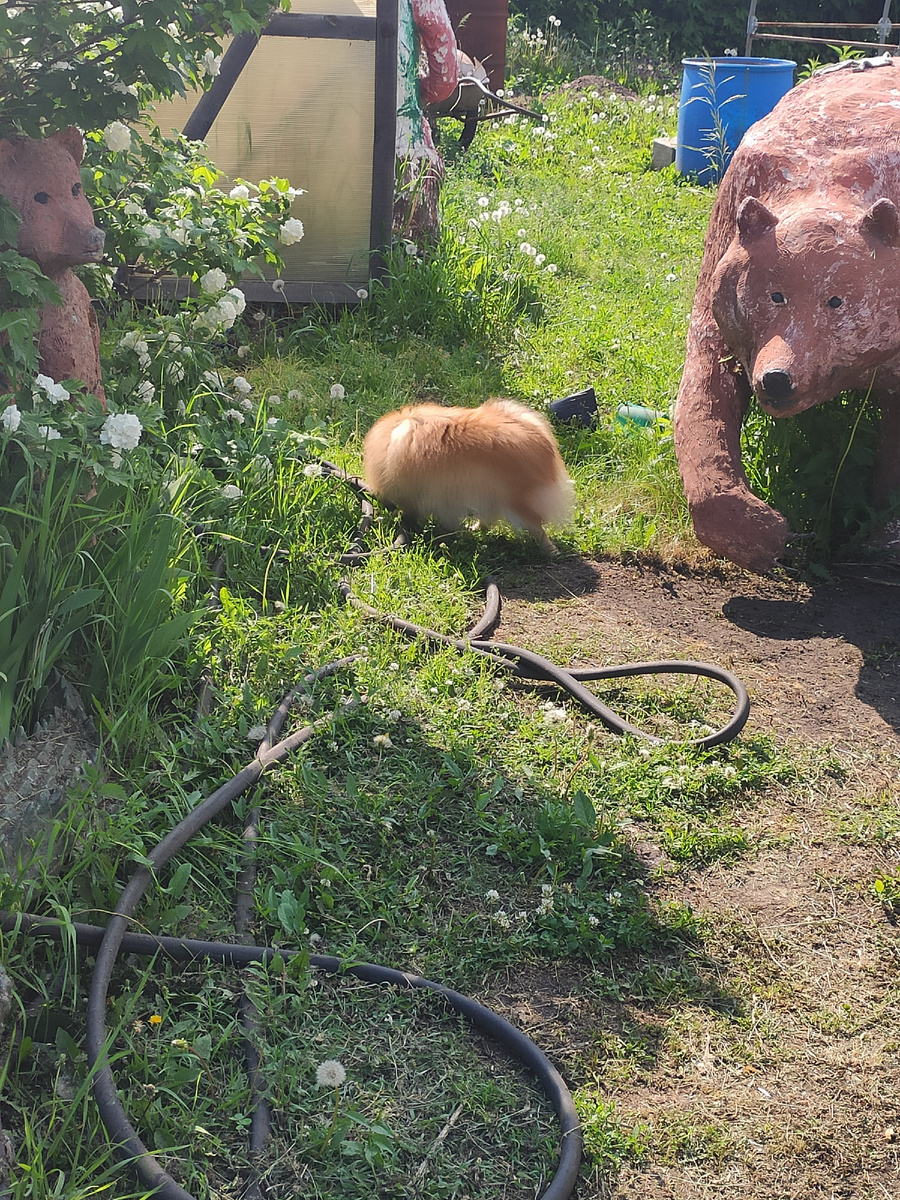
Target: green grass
column 450, row 821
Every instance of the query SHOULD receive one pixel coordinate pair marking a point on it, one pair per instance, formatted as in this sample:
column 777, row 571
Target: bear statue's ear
column 7, row 149
column 70, row 139
column 883, row 222
column 754, row 219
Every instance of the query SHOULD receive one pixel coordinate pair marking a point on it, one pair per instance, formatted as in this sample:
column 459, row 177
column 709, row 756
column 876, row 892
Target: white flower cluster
column 133, row 341
column 290, row 192
column 225, row 311
column 55, row 392
column 211, row 63
column 122, row 431
column 291, row 231
column 117, row 137
column 505, row 919
column 11, row 418
column 546, row 904
column 213, row 281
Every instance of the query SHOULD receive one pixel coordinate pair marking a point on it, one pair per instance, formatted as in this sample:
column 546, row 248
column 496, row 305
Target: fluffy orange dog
column 497, row 461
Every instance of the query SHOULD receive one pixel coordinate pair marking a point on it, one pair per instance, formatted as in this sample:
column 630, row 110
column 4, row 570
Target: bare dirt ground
column 780, row 1077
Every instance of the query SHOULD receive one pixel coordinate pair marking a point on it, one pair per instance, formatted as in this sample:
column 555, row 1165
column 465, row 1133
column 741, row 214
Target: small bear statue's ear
column 882, row 221
column 70, row 139
column 754, row 219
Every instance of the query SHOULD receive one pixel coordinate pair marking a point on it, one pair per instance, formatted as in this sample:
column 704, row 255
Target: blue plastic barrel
column 720, row 99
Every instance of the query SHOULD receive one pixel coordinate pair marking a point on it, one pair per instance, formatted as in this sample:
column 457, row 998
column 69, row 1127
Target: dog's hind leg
column 523, row 516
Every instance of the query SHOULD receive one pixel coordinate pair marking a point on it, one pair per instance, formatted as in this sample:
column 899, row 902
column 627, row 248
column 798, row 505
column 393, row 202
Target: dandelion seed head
column 330, row 1073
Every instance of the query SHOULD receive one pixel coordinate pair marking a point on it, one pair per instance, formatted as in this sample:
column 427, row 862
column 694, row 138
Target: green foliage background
column 691, row 27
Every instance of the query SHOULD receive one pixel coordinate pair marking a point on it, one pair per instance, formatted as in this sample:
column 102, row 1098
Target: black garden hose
column 112, row 1111
column 115, row 937
column 528, row 665
column 189, row 949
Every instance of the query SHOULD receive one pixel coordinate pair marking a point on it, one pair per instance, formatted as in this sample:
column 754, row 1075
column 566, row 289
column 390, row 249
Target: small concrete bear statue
column 41, row 179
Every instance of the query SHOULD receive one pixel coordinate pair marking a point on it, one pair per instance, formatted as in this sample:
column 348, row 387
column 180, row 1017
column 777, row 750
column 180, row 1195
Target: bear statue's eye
column 778, row 298
column 76, row 189
column 42, row 197
column 835, row 302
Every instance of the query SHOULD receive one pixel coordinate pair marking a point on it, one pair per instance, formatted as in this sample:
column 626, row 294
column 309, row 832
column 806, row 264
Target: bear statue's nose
column 777, row 386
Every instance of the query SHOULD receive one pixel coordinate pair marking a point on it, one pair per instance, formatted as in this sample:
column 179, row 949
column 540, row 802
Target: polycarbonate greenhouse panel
column 310, row 106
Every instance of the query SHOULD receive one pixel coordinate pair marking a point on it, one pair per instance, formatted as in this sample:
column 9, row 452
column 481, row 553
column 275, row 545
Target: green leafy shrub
column 88, row 64
column 24, row 289
column 816, row 468
column 695, row 28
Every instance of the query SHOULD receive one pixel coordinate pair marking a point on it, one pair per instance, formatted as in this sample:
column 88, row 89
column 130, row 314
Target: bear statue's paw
column 741, row 527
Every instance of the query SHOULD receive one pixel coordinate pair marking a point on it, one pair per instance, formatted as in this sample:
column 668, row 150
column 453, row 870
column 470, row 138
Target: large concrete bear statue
column 41, row 179
column 798, row 296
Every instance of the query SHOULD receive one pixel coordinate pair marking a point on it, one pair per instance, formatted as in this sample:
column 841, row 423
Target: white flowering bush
column 99, row 508
column 158, row 200
column 88, row 439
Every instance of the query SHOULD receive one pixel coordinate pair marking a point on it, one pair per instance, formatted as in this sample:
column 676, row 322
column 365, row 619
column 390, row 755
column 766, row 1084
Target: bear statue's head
column 809, row 300
column 41, row 179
